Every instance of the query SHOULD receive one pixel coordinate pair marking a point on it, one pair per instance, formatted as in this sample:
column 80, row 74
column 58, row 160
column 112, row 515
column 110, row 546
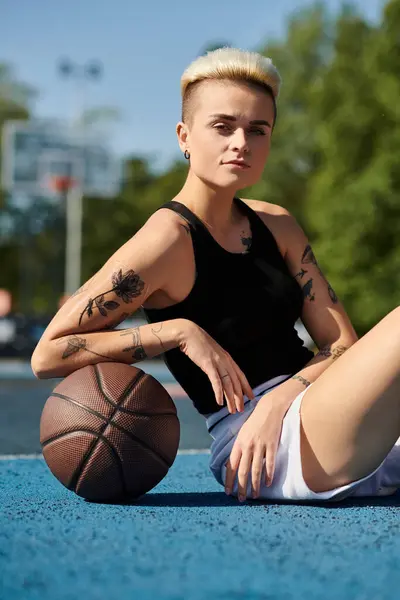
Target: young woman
column 222, row 281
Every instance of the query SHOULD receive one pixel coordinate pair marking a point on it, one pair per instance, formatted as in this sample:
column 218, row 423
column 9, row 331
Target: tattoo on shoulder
column 126, row 286
column 139, row 352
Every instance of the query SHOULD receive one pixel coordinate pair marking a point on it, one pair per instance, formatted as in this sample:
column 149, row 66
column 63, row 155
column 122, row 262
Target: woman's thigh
column 350, row 417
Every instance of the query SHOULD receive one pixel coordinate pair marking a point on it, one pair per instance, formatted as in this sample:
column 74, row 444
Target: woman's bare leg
column 350, row 416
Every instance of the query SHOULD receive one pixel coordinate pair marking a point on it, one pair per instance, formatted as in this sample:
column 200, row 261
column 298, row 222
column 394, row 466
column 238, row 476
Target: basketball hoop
column 61, row 184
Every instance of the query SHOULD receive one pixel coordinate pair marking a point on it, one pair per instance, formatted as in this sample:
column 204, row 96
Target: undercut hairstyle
column 231, row 64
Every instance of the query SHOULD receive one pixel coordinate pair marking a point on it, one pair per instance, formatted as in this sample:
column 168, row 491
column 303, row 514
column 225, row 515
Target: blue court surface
column 183, row 540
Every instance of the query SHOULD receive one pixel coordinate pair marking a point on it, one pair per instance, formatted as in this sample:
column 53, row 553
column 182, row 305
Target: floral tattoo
column 125, row 286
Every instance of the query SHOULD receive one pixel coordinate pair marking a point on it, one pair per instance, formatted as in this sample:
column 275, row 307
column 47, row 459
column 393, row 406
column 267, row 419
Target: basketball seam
column 109, row 421
column 75, row 479
column 124, row 410
column 125, row 393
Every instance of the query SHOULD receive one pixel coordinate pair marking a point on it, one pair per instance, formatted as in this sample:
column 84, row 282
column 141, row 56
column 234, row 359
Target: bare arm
column 79, row 333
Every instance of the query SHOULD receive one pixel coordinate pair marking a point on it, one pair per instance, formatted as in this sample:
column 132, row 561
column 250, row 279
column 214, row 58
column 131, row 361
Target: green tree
column 353, row 206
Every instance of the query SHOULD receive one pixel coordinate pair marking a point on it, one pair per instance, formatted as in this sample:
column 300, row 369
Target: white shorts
column 288, row 482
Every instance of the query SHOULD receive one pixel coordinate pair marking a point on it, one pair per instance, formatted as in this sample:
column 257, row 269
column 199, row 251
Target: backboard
column 34, row 150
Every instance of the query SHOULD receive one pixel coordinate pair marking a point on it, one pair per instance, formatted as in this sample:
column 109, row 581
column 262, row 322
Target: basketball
column 109, row 432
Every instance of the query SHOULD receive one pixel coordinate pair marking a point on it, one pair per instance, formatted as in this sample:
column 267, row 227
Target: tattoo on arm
column 139, row 352
column 328, row 351
column 309, row 258
column 126, row 286
column 300, row 378
column 75, row 344
column 307, row 291
column 154, row 332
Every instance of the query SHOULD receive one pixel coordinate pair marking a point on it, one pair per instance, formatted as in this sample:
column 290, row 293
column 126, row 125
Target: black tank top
column 247, row 302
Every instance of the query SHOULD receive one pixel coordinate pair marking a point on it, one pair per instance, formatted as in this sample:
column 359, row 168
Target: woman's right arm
column 76, row 336
column 146, row 263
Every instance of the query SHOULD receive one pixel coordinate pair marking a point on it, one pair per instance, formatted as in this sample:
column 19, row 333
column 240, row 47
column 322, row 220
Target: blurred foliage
column 333, row 164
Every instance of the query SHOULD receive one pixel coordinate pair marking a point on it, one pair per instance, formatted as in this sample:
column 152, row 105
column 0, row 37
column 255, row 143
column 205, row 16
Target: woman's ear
column 182, row 133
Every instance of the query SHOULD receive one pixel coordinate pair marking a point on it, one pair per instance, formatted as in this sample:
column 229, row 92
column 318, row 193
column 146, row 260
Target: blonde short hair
column 230, row 64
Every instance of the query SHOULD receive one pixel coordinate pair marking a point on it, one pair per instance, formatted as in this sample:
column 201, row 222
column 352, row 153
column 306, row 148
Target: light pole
column 74, row 193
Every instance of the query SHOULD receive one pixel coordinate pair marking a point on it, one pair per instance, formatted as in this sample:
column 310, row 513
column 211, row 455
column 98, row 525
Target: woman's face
column 231, row 121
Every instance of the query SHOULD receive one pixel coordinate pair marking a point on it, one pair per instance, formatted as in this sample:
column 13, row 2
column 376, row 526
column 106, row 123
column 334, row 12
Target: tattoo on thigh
column 75, row 344
column 139, row 352
column 125, row 286
column 300, row 378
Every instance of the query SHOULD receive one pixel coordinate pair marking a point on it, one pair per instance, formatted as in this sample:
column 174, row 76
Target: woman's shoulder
column 276, row 218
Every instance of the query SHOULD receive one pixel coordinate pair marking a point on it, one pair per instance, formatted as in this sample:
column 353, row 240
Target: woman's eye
column 222, row 126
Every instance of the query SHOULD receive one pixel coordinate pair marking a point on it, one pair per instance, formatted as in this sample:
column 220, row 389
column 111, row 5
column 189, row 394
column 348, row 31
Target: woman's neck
column 215, row 207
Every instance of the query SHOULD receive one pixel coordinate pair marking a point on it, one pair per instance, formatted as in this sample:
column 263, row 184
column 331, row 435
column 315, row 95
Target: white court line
column 40, row 456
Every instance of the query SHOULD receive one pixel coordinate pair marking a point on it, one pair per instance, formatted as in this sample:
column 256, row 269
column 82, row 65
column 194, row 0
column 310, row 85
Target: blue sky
column 144, row 46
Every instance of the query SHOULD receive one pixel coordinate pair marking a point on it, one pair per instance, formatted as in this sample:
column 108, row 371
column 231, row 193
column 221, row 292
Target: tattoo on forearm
column 328, row 351
column 75, row 344
column 325, row 351
column 154, row 332
column 139, row 352
column 300, row 378
column 126, row 286
column 338, row 351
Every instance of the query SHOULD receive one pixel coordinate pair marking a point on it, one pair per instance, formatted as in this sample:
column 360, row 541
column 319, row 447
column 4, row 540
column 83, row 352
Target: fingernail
column 241, row 498
column 227, row 491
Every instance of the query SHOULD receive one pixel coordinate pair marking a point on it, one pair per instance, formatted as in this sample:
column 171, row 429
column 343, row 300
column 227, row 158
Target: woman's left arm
column 323, row 315
column 329, row 326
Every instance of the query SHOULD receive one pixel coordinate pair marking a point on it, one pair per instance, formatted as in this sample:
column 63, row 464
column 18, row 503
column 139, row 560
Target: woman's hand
column 226, row 378
column 258, row 439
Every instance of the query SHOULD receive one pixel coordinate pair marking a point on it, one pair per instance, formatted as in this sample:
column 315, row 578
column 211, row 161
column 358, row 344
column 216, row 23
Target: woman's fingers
column 232, row 466
column 256, row 470
column 243, row 473
column 246, row 387
column 216, row 383
column 233, row 392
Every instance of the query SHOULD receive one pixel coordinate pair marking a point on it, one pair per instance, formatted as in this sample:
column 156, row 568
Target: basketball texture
column 109, row 432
